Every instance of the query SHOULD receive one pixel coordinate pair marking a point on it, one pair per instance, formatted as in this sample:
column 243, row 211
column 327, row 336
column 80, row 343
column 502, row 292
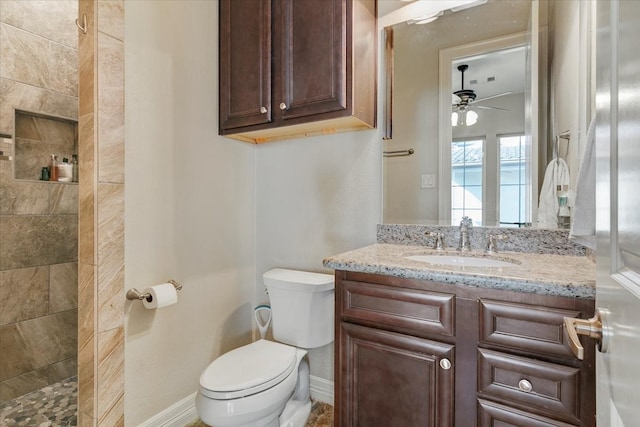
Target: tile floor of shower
column 56, row 406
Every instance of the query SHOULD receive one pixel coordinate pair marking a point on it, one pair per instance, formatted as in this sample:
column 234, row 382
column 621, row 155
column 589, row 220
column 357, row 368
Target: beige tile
column 63, row 287
column 111, row 18
column 37, row 240
column 63, row 200
column 46, row 129
column 23, row 198
column 43, row 17
column 87, row 188
column 24, row 56
column 110, row 377
column 86, row 378
column 87, row 60
column 86, row 420
column 30, row 98
column 86, row 303
column 110, row 109
column 110, row 256
column 24, row 294
column 62, row 370
column 31, row 156
column 114, row 417
column 63, row 69
column 36, row 343
column 22, row 384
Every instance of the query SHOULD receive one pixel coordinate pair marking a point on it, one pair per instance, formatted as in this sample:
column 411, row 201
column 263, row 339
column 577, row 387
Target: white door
column 618, row 210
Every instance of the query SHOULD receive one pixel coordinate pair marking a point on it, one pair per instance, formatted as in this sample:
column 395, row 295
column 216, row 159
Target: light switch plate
column 428, row 181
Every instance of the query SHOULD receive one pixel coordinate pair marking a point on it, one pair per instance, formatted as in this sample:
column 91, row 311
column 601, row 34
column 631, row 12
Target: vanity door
column 392, row 379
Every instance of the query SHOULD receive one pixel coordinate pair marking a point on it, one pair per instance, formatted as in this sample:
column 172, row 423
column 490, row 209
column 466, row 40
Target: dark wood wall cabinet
column 420, row 353
column 292, row 68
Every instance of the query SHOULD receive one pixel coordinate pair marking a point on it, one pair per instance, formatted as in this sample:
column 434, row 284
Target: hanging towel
column 557, row 174
column 583, row 224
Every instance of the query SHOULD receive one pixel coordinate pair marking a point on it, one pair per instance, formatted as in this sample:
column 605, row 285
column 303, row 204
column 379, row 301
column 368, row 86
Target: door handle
column 594, row 328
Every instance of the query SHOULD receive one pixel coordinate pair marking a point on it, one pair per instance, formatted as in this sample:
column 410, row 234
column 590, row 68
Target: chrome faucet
column 439, row 240
column 465, row 228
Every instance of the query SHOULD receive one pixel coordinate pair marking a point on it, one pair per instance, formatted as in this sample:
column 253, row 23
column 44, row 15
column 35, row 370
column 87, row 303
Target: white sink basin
column 462, row 260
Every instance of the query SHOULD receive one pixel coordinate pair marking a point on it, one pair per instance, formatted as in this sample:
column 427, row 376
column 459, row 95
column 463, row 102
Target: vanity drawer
column 523, row 327
column 491, row 414
column 401, row 308
column 540, row 387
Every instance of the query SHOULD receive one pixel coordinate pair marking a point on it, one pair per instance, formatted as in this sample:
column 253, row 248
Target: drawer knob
column 525, row 386
column 283, row 106
column 445, row 364
column 263, row 110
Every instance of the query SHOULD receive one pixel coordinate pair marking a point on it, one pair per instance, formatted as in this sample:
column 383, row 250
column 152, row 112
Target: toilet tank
column 302, row 306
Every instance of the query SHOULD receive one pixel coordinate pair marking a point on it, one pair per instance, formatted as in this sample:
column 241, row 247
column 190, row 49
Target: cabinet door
column 390, row 379
column 313, row 64
column 245, row 63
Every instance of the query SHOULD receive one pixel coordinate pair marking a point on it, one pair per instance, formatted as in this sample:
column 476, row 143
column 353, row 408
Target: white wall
column 189, row 208
column 215, row 213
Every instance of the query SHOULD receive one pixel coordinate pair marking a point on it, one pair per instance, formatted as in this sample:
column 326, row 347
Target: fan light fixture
column 464, row 118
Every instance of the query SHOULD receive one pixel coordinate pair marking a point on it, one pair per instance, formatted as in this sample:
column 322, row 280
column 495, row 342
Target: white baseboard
column 184, row 412
column 177, row 415
column 321, row 390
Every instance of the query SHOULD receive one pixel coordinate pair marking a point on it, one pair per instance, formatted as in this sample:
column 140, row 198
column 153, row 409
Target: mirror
column 417, row 187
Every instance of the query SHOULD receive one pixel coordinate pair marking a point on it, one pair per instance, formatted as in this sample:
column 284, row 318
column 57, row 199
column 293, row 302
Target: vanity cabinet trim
column 432, row 393
column 490, row 412
column 395, row 307
column 524, row 327
column 555, row 388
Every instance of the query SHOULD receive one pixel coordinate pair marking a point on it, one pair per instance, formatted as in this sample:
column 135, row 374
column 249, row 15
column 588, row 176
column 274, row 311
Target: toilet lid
column 248, row 370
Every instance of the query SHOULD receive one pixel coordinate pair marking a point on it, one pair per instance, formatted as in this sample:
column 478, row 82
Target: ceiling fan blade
column 492, row 96
column 485, row 107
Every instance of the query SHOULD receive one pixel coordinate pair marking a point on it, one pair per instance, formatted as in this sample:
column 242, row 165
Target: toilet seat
column 248, row 370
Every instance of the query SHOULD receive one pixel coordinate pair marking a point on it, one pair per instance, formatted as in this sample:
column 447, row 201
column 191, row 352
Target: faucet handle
column 492, row 246
column 439, row 242
column 466, row 222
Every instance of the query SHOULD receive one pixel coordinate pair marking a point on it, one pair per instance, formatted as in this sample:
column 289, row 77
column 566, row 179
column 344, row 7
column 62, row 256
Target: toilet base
column 298, row 418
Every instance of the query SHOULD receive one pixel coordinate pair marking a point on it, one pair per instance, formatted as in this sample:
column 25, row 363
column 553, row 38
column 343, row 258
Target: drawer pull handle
column 263, row 110
column 445, row 364
column 525, row 386
column 595, row 328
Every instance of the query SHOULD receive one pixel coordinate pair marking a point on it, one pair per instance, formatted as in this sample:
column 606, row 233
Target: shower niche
column 37, row 137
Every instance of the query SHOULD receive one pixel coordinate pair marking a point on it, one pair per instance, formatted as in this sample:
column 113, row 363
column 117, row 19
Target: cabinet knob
column 263, row 110
column 283, row 106
column 525, row 386
column 445, row 364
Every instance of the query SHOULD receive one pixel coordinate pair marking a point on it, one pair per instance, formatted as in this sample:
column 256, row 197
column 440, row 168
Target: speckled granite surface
column 544, row 274
column 516, row 239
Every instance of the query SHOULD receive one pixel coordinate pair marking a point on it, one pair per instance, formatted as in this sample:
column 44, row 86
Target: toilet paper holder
column 134, row 294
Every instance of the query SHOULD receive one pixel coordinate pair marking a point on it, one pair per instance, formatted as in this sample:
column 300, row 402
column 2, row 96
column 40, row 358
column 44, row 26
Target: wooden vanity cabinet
column 420, row 353
column 291, row 68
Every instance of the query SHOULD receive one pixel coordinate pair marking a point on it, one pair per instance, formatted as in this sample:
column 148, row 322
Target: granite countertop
column 544, row 274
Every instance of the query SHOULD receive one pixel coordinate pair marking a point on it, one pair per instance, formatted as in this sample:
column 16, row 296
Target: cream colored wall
column 197, row 211
column 315, row 198
column 564, row 63
column 190, row 206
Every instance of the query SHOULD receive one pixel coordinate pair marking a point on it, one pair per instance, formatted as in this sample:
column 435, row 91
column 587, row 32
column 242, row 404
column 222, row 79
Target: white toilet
column 266, row 383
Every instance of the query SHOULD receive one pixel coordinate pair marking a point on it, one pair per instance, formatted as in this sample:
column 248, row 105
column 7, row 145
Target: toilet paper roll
column 160, row 296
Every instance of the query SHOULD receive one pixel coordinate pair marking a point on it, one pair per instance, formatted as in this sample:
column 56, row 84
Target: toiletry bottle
column 74, row 164
column 44, row 174
column 53, row 168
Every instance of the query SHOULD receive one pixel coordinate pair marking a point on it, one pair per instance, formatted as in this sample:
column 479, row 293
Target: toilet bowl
column 266, row 383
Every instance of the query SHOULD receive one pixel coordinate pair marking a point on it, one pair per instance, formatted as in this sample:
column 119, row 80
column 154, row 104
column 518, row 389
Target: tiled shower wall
column 38, row 220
